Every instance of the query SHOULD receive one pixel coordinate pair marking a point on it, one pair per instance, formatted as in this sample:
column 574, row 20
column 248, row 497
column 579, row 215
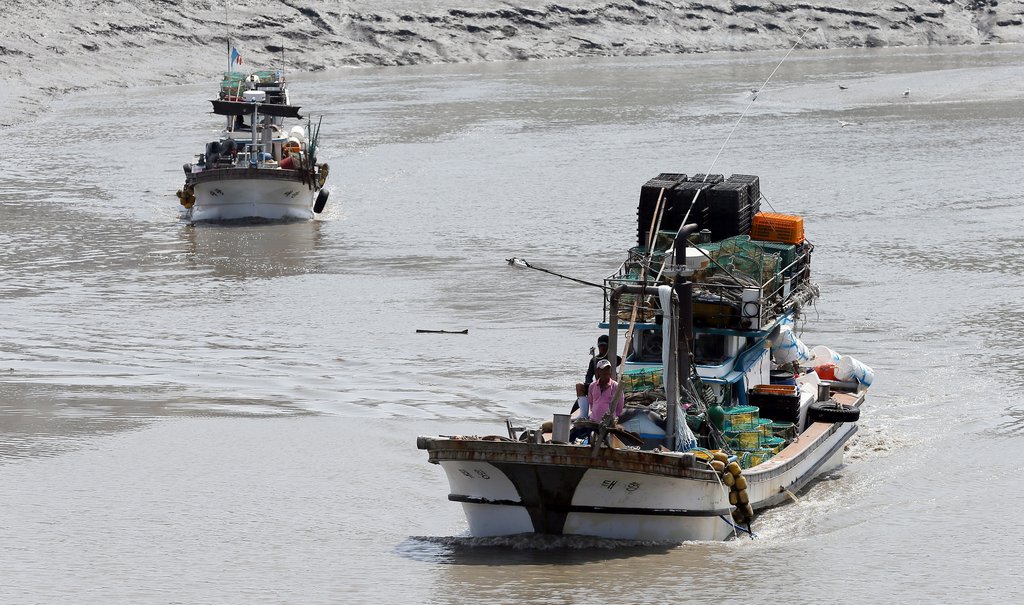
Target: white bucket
column 822, row 354
column 560, row 428
column 849, row 370
column 789, row 347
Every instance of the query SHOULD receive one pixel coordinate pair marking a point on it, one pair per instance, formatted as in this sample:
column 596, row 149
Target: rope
column 519, row 262
column 725, row 489
column 747, row 108
column 737, row 124
column 737, row 527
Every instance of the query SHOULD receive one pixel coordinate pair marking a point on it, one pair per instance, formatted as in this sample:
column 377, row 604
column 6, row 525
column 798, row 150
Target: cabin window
column 709, row 349
column 646, row 347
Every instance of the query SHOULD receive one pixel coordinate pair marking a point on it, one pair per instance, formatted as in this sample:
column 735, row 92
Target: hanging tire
column 321, row 201
column 828, row 411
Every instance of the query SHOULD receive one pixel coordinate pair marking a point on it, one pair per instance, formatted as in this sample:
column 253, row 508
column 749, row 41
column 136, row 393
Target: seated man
column 602, row 353
column 583, row 387
column 602, row 391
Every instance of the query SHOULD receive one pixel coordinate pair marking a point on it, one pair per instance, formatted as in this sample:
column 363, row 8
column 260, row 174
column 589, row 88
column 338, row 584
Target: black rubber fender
column 830, row 411
column 321, row 201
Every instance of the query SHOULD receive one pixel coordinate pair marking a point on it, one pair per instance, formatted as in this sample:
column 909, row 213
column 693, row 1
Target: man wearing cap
column 582, row 388
column 603, row 391
column 602, row 353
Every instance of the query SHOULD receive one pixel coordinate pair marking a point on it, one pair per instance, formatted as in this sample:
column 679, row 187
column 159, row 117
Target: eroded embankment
column 52, row 47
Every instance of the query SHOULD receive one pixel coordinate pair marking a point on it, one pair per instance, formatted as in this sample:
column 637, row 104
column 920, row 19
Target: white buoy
column 822, row 354
column 789, row 348
column 850, row 370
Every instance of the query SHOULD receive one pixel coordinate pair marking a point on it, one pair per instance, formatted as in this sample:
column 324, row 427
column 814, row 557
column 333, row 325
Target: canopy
column 238, row 108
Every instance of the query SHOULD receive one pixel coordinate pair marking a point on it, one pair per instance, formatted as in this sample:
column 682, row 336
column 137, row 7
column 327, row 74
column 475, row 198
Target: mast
column 227, row 35
column 680, row 334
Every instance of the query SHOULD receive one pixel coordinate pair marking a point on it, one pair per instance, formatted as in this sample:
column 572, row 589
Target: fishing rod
column 520, row 262
column 743, row 115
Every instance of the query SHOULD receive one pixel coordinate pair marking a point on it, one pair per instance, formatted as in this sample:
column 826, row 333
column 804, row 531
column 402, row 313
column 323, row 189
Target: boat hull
column 508, row 487
column 253, row 193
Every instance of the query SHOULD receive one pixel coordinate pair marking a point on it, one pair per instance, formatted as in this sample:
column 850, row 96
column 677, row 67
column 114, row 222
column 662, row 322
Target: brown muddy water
column 228, row 413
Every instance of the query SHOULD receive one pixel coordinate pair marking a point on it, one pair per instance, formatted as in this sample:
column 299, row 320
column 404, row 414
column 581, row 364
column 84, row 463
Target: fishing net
column 742, row 258
column 641, row 379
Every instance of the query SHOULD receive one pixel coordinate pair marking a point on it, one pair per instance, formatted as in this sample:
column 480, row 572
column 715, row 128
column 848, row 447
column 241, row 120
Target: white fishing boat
column 727, row 412
column 256, row 169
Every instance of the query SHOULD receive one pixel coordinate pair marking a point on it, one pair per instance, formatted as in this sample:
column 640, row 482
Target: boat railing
column 731, row 295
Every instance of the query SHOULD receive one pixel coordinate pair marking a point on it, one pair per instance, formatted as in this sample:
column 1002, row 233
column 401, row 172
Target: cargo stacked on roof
column 724, row 206
column 737, row 248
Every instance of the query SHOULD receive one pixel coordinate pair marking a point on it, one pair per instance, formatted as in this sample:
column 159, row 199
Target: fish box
column 773, row 227
column 780, row 406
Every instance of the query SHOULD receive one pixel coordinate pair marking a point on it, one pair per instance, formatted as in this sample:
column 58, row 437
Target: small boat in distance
column 256, row 169
column 726, row 413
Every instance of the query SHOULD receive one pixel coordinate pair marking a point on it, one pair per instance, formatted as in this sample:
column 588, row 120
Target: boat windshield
column 709, row 349
column 646, row 347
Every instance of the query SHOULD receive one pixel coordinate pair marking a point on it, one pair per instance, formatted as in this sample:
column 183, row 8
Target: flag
column 236, row 59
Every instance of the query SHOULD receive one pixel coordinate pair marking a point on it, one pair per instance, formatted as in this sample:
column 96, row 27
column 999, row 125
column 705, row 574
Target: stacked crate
column 729, row 210
column 707, row 178
column 689, row 201
column 724, row 206
column 649, row 195
column 755, row 187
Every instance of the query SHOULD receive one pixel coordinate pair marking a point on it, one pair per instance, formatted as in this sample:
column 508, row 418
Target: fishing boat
column 256, row 169
column 727, row 412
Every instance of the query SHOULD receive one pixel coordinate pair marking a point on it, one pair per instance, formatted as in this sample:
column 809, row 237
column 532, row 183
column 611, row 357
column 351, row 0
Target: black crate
column 780, row 408
column 666, row 180
column 687, row 198
column 712, row 178
column 650, row 190
column 732, row 198
column 693, row 192
column 752, row 180
column 675, row 211
column 724, row 229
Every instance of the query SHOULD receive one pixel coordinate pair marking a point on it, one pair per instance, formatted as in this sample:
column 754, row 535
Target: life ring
column 831, row 411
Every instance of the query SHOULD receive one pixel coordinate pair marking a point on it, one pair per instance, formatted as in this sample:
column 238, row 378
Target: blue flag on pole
column 236, row 60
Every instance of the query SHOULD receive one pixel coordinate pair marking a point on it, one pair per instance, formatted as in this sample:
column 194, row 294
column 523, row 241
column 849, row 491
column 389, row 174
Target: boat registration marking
column 632, row 486
column 476, row 473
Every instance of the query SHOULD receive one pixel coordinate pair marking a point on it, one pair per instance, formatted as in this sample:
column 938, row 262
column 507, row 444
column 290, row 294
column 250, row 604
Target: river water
column 228, row 413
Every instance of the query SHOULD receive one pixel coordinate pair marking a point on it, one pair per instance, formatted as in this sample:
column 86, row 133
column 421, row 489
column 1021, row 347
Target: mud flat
column 50, row 48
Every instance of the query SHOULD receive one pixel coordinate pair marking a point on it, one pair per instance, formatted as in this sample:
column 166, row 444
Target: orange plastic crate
column 782, row 228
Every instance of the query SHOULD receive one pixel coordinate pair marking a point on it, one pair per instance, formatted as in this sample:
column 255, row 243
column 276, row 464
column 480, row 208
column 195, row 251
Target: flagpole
column 227, row 35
